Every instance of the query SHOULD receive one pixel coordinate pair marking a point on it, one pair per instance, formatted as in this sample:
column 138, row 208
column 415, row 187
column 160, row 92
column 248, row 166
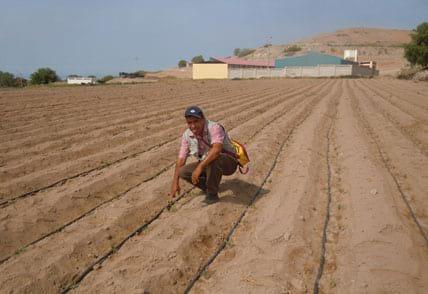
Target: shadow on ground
column 242, row 191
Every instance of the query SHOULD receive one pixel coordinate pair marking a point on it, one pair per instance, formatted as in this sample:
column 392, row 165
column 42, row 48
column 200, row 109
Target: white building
column 80, row 80
column 350, row 55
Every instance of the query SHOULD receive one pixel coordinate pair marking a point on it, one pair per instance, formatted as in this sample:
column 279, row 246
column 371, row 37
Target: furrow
column 387, row 163
column 271, row 117
column 193, row 249
column 162, row 142
column 118, row 196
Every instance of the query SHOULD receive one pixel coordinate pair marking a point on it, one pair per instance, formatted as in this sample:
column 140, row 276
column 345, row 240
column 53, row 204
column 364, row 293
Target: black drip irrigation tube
column 75, row 282
column 64, row 180
column 203, row 268
column 327, row 216
column 60, row 182
column 388, row 167
column 118, row 196
column 140, row 229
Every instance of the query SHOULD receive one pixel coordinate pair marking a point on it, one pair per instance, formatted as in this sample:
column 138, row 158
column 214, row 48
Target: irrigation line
column 203, row 268
column 116, row 248
column 388, row 167
column 64, row 180
column 133, row 187
column 327, row 216
column 106, row 107
column 89, row 211
column 96, row 123
column 76, row 282
column 388, row 117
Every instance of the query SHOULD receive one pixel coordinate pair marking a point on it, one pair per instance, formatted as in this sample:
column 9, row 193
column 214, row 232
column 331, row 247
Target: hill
column 385, row 46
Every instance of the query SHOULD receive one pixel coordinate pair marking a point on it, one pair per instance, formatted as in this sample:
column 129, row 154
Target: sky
column 105, row 37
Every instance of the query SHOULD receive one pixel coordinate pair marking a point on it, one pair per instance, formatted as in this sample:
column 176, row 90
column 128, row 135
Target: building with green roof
column 312, row 58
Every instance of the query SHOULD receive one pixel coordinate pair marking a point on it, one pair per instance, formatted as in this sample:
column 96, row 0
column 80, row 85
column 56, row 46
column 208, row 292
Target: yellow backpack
column 241, row 156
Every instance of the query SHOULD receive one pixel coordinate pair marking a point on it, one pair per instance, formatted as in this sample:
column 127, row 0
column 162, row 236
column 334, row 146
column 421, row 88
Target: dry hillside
column 382, row 45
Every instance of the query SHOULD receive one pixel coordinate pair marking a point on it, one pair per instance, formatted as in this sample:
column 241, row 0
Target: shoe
column 211, row 198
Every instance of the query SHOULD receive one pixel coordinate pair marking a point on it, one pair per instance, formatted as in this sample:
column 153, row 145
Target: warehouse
column 218, row 67
column 311, row 59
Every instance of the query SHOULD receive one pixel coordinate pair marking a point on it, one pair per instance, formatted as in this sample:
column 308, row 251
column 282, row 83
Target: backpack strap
column 222, row 150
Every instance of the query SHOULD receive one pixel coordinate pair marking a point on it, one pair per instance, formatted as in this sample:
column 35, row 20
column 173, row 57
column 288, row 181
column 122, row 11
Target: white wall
column 302, row 71
column 80, row 80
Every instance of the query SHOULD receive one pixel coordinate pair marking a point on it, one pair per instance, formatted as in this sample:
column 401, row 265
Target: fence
column 301, row 71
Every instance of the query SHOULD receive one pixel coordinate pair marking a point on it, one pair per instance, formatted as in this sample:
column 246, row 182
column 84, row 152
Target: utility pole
column 269, row 43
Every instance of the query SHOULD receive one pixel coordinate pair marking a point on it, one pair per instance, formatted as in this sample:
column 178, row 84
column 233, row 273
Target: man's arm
column 212, row 155
column 175, row 188
column 182, row 156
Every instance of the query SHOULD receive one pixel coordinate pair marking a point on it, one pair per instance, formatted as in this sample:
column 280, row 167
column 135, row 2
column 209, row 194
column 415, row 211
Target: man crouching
column 210, row 144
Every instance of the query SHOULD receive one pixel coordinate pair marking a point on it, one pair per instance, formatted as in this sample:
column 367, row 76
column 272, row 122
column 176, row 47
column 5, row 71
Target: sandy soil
column 335, row 201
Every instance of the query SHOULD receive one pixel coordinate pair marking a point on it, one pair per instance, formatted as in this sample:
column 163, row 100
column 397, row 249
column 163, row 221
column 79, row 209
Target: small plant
column 21, row 250
column 173, row 208
column 105, row 79
column 408, row 73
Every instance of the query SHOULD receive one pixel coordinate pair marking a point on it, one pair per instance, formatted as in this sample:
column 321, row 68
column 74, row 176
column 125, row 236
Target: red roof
column 237, row 61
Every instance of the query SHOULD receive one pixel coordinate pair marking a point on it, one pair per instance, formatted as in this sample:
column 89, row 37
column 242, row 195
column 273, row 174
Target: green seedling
column 21, row 250
column 173, row 208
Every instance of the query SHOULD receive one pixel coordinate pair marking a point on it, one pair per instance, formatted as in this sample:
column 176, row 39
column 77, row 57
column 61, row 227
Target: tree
column 43, row 76
column 416, row 52
column 198, row 59
column 182, row 63
column 7, row 79
column 236, row 51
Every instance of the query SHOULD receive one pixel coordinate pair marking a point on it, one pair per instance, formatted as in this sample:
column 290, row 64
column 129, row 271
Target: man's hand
column 195, row 175
column 175, row 189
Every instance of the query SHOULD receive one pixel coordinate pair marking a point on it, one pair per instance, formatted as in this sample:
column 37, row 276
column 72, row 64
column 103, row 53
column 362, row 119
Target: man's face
column 196, row 125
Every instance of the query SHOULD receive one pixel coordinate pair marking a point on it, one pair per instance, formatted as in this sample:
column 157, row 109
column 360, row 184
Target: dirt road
column 335, row 201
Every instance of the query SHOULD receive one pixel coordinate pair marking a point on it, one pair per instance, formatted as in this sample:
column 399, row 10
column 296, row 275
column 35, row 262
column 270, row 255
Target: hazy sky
column 105, row 37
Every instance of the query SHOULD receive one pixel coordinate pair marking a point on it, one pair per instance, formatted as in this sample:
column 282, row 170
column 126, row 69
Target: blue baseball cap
column 194, row 111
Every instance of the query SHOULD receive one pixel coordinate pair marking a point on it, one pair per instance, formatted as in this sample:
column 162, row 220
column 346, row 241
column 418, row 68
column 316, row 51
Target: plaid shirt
column 192, row 144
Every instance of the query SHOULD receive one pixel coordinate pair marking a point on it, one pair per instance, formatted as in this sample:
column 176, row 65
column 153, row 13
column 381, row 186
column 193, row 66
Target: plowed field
column 335, row 200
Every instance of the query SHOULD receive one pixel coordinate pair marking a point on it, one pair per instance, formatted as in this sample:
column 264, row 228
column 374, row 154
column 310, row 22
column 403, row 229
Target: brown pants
column 210, row 178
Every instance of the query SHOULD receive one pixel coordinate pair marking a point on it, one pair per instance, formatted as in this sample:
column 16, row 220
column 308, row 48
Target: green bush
column 43, row 76
column 182, row 63
column 416, row 52
column 408, row 73
column 7, row 79
column 132, row 75
column 245, row 51
column 198, row 59
column 105, row 79
column 242, row 52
